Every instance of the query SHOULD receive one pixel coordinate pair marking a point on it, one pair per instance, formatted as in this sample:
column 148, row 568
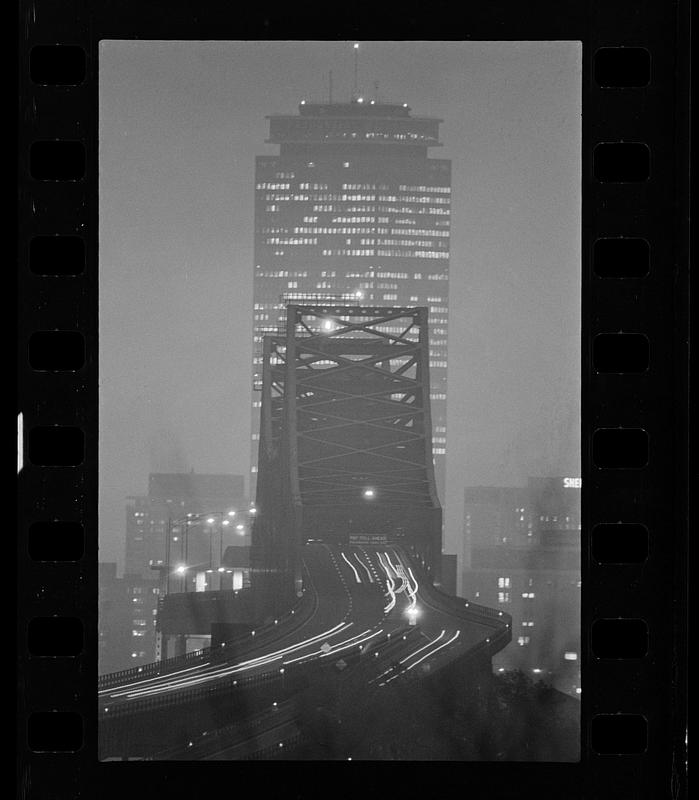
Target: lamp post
column 211, row 519
column 172, row 525
column 208, row 518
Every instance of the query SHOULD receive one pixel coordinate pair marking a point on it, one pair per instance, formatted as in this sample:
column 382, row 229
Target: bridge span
column 367, row 615
column 345, row 558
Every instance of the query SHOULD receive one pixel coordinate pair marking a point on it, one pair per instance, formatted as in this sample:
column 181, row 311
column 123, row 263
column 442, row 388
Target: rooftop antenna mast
column 376, row 91
column 330, row 87
column 355, row 90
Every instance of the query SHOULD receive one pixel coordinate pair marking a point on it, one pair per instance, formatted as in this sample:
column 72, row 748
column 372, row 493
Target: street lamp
column 192, row 518
column 369, row 493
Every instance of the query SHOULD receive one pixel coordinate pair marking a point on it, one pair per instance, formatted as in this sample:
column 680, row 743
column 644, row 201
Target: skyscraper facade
column 352, row 208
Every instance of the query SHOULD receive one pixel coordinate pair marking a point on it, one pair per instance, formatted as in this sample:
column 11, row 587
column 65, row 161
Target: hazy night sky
column 180, row 125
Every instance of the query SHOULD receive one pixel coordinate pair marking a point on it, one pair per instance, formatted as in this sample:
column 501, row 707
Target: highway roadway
column 360, row 595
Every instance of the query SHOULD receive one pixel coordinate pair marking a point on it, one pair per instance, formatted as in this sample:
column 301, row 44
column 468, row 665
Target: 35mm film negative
column 126, row 119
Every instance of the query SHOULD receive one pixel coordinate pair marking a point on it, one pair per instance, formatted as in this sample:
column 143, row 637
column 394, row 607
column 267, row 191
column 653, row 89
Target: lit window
column 570, row 656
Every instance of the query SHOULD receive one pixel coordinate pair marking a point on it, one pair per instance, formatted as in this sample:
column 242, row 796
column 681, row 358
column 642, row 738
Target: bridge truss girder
column 345, row 439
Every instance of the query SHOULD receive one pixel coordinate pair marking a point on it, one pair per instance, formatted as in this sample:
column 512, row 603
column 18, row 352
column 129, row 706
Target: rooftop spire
column 355, row 90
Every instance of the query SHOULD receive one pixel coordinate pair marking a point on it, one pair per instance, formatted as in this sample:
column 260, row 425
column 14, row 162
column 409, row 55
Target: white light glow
column 351, row 566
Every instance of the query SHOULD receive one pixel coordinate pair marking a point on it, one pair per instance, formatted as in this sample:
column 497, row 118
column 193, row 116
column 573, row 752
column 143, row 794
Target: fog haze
column 180, row 126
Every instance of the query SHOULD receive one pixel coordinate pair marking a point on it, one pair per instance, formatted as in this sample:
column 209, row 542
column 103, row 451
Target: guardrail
column 127, row 728
column 463, row 608
column 166, row 666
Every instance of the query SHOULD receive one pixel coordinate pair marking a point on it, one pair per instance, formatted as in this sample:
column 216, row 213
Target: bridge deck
column 360, row 594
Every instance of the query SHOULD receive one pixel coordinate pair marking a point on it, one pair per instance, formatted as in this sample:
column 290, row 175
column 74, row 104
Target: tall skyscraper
column 353, row 208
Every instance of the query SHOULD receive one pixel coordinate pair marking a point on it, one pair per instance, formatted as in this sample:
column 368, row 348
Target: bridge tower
column 345, row 450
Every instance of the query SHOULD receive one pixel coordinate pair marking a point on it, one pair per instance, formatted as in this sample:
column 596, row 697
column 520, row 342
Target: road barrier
column 240, row 644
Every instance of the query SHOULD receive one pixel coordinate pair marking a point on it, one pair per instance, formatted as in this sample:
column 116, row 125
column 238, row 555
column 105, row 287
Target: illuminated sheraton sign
column 572, row 483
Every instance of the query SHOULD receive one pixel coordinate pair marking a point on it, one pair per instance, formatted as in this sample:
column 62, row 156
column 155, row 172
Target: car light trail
column 427, row 655
column 390, row 586
column 351, row 566
column 318, row 652
column 409, row 656
column 242, row 666
column 420, row 649
column 337, row 649
column 366, row 569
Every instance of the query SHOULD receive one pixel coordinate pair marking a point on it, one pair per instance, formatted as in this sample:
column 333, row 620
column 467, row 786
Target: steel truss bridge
column 345, row 558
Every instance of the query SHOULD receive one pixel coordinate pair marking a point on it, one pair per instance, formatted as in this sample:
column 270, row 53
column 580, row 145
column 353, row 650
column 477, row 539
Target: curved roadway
column 360, row 594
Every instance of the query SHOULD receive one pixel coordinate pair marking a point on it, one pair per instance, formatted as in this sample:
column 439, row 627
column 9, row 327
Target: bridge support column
column 158, row 646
